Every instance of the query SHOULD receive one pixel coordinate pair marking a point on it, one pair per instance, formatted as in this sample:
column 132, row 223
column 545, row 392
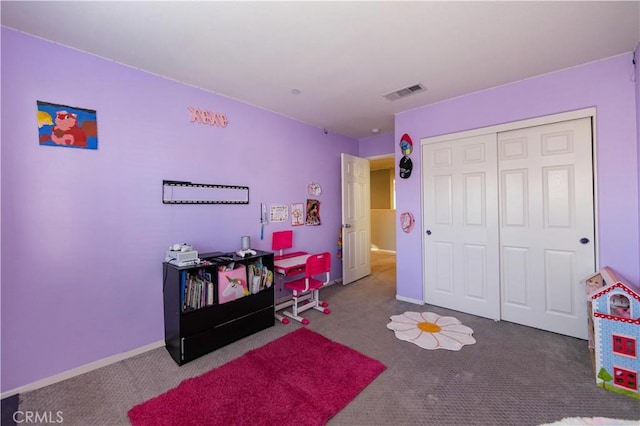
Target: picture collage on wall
column 301, row 214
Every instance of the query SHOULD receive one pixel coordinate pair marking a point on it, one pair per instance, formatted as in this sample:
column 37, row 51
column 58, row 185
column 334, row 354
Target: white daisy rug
column 431, row 331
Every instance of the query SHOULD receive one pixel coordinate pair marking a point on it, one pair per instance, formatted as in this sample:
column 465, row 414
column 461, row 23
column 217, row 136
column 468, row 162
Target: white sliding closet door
column 546, row 225
column 461, row 225
column 508, row 223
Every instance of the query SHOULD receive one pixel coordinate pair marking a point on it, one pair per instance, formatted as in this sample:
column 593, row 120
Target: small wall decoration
column 314, row 189
column 406, row 145
column 407, row 221
column 406, row 165
column 297, row 214
column 208, row 117
column 63, row 125
column 313, row 213
column 263, row 219
column 279, row 213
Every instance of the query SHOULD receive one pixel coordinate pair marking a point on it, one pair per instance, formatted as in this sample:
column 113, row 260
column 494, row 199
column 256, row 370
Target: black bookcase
column 199, row 318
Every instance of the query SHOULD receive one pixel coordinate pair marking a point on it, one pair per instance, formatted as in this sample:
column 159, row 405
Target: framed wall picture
column 313, row 213
column 67, row 126
column 279, row 213
column 297, row 214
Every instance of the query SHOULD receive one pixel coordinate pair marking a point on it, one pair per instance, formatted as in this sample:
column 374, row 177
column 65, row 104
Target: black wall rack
column 181, row 192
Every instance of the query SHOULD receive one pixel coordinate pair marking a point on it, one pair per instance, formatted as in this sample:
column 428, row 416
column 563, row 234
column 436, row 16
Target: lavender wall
column 378, row 145
column 84, row 232
column 605, row 85
column 637, row 80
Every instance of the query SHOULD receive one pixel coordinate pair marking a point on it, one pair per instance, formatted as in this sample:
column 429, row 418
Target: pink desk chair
column 306, row 290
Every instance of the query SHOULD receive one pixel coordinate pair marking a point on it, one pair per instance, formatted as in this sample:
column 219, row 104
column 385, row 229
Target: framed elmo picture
column 67, row 126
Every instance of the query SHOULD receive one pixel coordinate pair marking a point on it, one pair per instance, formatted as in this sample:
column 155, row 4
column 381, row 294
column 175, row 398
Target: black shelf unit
column 190, row 333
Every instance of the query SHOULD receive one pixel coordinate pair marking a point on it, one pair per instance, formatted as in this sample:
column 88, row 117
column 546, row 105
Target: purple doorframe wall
column 606, row 85
column 84, row 231
column 375, row 146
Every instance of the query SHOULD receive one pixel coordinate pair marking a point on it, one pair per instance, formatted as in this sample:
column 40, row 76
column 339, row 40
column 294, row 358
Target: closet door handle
column 584, row 240
column 428, row 231
column 346, row 225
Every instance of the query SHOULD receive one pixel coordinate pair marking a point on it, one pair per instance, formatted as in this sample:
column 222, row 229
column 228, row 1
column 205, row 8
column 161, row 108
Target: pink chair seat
column 300, row 284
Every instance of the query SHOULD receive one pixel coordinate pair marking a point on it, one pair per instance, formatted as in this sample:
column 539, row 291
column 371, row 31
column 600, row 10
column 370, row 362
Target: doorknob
column 428, row 232
column 584, row 240
column 346, row 225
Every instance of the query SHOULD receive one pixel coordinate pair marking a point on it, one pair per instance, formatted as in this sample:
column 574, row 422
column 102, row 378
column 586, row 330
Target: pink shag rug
column 302, row 378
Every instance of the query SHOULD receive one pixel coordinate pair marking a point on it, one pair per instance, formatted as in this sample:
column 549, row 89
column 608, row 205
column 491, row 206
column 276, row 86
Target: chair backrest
column 282, row 240
column 317, row 264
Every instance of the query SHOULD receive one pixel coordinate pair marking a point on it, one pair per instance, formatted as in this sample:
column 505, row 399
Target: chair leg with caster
column 286, row 304
column 297, row 309
column 319, row 305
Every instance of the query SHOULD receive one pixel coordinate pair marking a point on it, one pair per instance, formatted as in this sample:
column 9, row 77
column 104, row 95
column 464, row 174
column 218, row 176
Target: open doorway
column 383, row 213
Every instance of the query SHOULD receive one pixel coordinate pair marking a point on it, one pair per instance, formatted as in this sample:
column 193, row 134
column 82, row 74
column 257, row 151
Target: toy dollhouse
column 616, row 332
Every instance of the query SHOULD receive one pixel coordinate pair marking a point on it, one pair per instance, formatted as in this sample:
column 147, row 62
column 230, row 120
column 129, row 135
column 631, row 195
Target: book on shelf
column 209, row 293
column 260, row 277
column 197, row 290
column 255, row 276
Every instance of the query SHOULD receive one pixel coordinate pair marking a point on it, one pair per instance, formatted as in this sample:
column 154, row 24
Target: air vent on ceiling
column 397, row 94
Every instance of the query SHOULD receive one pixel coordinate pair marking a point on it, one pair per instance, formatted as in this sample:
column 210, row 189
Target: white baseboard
column 407, row 299
column 82, row 369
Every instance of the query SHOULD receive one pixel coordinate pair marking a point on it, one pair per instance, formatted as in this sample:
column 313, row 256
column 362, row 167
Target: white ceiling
column 342, row 56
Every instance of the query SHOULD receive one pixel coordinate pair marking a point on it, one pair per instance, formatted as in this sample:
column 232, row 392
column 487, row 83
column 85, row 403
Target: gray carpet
column 513, row 375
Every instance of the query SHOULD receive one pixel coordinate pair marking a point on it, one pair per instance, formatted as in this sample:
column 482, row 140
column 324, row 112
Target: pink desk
column 290, row 264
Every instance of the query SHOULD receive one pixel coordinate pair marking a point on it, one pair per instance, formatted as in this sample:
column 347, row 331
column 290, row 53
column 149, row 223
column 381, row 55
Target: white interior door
column 356, row 218
column 546, row 225
column 461, row 225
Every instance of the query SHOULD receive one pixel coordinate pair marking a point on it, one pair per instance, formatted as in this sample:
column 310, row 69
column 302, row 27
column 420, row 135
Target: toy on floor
column 616, row 333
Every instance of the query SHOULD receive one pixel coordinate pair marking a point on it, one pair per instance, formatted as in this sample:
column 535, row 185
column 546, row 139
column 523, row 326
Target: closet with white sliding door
column 508, row 221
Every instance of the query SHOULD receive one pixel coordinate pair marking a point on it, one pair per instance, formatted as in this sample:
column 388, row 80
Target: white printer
column 182, row 255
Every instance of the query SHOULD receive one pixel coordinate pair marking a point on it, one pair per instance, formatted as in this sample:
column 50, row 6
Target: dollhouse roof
column 635, row 296
column 635, row 293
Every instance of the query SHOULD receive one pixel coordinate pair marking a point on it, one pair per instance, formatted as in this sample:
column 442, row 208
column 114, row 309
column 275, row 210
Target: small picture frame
column 313, row 213
column 297, row 214
column 279, row 213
